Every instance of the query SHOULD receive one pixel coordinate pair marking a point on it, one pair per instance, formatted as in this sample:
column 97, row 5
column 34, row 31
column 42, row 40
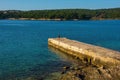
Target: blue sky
column 57, row 4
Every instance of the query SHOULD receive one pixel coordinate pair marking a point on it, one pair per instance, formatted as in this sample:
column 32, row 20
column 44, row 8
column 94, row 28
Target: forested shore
column 62, row 14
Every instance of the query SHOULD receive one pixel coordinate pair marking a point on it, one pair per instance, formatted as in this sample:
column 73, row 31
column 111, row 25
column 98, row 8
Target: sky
column 57, row 4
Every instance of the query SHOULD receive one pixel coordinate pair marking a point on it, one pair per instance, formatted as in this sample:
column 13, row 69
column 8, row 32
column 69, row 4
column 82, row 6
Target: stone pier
column 89, row 53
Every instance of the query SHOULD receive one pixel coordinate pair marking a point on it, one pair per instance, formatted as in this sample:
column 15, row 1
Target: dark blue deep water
column 24, row 49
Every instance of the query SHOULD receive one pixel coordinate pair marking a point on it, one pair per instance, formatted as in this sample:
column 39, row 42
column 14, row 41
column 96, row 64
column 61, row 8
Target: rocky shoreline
column 91, row 72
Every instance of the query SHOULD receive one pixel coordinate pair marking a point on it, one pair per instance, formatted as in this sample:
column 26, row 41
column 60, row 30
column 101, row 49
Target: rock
column 66, row 67
column 62, row 72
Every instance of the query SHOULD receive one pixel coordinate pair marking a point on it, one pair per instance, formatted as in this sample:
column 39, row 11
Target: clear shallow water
column 24, row 50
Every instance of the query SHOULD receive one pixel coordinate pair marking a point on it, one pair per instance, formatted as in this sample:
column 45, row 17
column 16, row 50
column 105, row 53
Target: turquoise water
column 24, row 50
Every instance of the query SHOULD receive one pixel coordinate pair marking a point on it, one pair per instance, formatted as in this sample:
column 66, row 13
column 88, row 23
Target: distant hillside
column 62, row 14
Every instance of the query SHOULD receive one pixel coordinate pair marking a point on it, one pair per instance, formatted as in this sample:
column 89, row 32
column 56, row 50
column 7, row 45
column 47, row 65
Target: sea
column 24, row 50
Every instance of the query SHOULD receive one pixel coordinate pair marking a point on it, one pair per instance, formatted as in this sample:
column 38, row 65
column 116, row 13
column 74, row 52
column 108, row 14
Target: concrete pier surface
column 90, row 53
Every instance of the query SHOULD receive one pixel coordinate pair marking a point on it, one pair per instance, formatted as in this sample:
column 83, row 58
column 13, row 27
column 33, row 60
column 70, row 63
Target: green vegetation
column 63, row 14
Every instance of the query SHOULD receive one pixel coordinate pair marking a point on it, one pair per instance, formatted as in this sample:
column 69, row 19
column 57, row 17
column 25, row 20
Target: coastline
column 57, row 19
